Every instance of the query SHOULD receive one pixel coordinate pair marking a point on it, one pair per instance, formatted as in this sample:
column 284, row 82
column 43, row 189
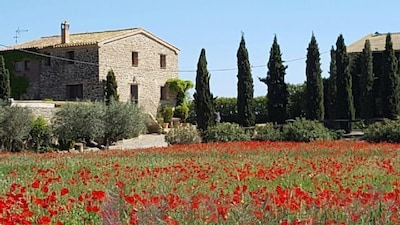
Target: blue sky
column 215, row 25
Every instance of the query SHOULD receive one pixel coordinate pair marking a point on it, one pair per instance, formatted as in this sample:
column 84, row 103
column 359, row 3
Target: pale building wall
column 148, row 75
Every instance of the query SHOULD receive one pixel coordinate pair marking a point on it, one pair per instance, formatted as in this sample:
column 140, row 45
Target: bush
column 385, row 131
column 39, row 135
column 224, row 132
column 79, row 122
column 227, row 107
column 182, row 112
column 14, row 127
column 182, row 135
column 97, row 121
column 267, row 133
column 123, row 120
column 168, row 112
column 303, row 130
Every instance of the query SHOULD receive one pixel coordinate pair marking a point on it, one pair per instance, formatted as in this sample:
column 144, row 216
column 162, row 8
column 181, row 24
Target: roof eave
column 144, row 32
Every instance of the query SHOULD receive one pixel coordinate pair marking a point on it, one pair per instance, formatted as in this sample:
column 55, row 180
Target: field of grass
column 336, row 182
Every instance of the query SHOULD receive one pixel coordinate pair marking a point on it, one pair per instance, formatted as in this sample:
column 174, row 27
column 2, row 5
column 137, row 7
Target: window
column 71, row 56
column 74, row 91
column 134, row 93
column 163, row 93
column 163, row 61
column 27, row 65
column 18, row 66
column 135, row 59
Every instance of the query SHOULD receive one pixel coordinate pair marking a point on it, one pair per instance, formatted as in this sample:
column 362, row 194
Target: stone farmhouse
column 74, row 66
column 377, row 43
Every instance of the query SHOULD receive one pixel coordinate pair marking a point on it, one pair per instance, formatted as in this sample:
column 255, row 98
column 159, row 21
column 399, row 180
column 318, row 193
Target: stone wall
column 148, row 75
column 60, row 73
column 39, row 108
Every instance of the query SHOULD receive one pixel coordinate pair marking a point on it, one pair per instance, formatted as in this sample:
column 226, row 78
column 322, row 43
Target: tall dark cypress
column 5, row 89
column 277, row 94
column 366, row 83
column 203, row 99
column 330, row 88
column 314, row 86
column 111, row 87
column 245, row 87
column 390, row 81
column 344, row 95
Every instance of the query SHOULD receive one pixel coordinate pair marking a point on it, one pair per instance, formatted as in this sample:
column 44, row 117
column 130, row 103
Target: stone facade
column 92, row 56
column 147, row 75
column 56, row 75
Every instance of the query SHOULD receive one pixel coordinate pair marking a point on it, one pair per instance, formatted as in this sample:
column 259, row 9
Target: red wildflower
column 92, row 208
column 120, row 184
column 98, row 195
column 35, row 184
column 44, row 220
column 64, row 191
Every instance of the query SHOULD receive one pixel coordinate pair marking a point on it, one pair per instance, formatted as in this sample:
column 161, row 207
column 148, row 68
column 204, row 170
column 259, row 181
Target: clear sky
column 215, row 25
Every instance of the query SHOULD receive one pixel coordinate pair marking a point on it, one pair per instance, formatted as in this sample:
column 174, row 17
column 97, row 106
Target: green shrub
column 97, row 121
column 224, row 132
column 39, row 135
column 168, row 112
column 267, row 133
column 182, row 135
column 303, row 130
column 79, row 122
column 123, row 120
column 182, row 112
column 227, row 107
column 385, row 131
column 14, row 127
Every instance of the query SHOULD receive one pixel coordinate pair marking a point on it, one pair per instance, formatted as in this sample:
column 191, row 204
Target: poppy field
column 329, row 182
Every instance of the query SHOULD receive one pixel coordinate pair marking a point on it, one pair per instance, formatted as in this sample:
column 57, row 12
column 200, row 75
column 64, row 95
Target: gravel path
column 143, row 141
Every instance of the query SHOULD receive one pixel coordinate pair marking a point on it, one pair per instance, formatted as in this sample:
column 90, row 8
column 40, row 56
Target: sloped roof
column 89, row 38
column 377, row 42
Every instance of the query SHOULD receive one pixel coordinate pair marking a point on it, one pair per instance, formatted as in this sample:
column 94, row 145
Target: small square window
column 135, row 59
column 71, row 57
column 163, row 61
column 19, row 66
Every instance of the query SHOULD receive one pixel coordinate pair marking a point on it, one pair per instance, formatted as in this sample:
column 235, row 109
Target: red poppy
column 44, row 220
column 64, row 191
column 98, row 195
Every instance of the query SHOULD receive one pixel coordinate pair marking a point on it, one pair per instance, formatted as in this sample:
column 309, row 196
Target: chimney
column 64, row 32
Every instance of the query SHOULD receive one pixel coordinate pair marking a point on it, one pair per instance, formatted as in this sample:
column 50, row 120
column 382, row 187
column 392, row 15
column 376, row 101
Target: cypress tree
column 5, row 89
column 111, row 87
column 245, row 87
column 203, row 99
column 330, row 88
column 314, row 86
column 344, row 96
column 277, row 94
column 355, row 71
column 366, row 83
column 390, row 81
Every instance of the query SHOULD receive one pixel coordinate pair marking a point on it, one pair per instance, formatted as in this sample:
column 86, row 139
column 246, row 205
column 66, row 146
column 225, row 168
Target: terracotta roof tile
column 79, row 39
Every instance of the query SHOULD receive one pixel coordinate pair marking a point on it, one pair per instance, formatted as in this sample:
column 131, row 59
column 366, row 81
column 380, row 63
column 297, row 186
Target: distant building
column 74, row 66
column 377, row 43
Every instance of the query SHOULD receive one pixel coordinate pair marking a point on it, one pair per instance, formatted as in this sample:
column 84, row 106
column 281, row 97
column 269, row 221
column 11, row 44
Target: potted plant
column 168, row 112
column 182, row 112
